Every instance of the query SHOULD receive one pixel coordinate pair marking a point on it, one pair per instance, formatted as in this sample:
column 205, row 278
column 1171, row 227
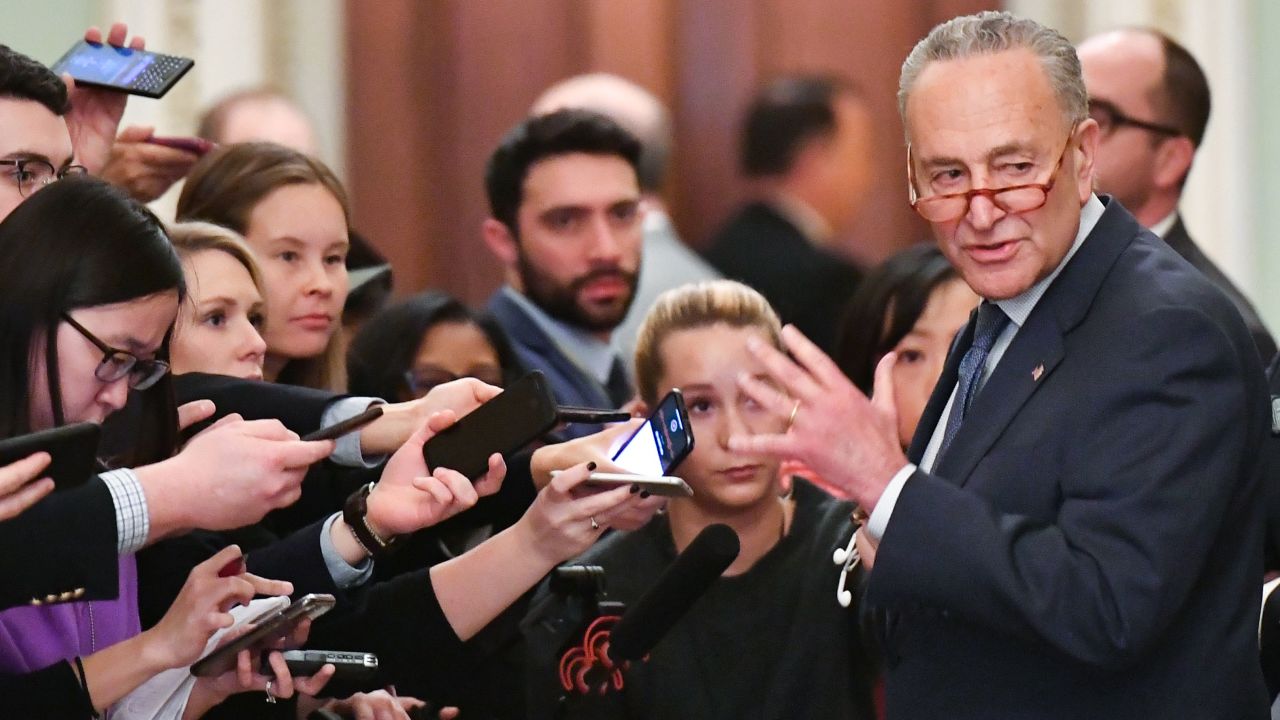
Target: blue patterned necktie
column 991, row 321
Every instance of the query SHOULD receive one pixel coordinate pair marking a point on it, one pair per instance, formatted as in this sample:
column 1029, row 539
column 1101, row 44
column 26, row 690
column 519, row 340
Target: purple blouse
column 32, row 638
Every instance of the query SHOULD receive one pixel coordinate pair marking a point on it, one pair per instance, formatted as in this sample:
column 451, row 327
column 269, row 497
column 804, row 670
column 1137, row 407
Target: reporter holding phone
column 711, row 664
column 79, row 330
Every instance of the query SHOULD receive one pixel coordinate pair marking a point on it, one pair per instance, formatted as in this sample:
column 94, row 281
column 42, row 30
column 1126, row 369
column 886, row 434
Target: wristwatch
column 354, row 514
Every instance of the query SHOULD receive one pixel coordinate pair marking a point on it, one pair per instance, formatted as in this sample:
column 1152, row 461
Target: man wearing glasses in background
column 1151, row 101
column 1075, row 530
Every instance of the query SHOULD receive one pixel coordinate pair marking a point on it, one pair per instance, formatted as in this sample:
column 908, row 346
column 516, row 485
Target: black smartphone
column 265, row 629
column 137, row 72
column 662, row 442
column 575, row 414
column 348, row 666
column 525, row 411
column 74, row 449
column 347, row 426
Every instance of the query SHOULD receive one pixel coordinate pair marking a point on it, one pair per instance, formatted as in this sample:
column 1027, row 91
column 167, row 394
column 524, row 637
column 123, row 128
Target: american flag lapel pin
column 1037, row 372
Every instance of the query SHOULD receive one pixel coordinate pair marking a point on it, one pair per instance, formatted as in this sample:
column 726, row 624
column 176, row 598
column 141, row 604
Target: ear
column 1089, row 135
column 498, row 237
column 1173, row 162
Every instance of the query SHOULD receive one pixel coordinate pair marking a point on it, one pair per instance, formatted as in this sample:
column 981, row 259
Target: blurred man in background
column 1151, row 101
column 806, row 145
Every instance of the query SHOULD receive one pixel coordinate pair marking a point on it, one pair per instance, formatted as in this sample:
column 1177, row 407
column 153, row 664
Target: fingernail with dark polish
column 635, row 489
column 644, row 494
column 591, row 466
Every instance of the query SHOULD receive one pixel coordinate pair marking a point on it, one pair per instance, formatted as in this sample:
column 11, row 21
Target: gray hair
column 990, row 32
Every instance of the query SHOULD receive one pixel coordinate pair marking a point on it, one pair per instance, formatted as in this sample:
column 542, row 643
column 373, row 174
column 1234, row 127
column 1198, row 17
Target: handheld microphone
column 646, row 622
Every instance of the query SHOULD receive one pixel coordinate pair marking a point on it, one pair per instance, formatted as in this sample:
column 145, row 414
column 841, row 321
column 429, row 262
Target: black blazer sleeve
column 52, row 692
column 299, row 408
column 61, row 549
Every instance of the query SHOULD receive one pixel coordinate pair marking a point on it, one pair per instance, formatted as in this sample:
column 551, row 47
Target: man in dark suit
column 1076, row 528
column 1151, row 100
column 566, row 223
column 805, row 146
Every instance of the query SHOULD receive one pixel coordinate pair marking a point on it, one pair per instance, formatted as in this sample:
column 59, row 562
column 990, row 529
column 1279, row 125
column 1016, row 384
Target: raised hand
column 848, row 439
column 410, row 497
column 229, row 475
column 95, row 112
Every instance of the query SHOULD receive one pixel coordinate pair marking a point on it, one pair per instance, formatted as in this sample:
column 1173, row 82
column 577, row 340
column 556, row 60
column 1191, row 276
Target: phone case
column 506, row 424
column 73, row 449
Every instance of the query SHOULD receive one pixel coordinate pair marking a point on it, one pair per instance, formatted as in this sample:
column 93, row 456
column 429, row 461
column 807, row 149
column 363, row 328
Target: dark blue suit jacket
column 570, row 383
column 1090, row 545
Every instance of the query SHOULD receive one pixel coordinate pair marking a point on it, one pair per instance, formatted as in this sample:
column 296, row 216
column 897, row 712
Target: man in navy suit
column 1075, row 531
column 566, row 222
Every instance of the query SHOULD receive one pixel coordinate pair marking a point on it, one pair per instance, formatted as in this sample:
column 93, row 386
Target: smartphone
column 661, row 443
column 522, row 413
column 665, row 485
column 348, row 666
column 73, row 448
column 194, row 145
column 265, row 629
column 137, row 72
column 575, row 414
column 347, row 426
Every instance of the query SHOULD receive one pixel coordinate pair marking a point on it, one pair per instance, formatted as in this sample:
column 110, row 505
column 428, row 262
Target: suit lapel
column 1035, row 351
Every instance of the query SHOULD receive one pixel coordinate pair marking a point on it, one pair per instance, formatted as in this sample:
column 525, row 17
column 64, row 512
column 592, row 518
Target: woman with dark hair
column 80, row 329
column 913, row 305
column 452, row 341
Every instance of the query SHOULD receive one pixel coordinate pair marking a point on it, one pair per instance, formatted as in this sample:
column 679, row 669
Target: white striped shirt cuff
column 133, row 523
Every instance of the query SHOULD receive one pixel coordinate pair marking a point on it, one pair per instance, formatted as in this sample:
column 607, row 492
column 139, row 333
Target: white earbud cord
column 849, row 558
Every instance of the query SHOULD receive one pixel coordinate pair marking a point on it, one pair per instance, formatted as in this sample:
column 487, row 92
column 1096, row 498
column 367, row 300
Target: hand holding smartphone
column 128, row 70
column 522, row 413
column 264, row 630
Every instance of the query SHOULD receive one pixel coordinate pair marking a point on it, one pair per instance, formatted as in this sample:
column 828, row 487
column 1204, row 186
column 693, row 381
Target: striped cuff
column 133, row 523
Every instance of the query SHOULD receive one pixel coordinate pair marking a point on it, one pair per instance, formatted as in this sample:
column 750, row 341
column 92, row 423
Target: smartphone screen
column 661, row 443
column 135, row 71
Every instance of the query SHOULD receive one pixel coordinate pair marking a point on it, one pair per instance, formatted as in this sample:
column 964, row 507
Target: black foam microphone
column 646, row 622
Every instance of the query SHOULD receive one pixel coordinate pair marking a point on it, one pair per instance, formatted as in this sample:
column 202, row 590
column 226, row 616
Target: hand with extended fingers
column 847, row 438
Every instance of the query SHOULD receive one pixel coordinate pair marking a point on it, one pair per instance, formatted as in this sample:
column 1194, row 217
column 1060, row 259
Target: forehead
column 28, row 126
column 711, row 354
column 307, row 212
column 965, row 108
column 216, row 273
column 1120, row 67
column 579, row 179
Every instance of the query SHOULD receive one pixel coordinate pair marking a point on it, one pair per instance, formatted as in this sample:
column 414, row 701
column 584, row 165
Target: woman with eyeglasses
column 89, row 288
column 403, row 352
column 425, row 341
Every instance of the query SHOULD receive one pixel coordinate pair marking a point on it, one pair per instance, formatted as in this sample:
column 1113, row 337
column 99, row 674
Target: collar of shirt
column 1019, row 308
column 589, row 352
column 1163, row 227
column 810, row 222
